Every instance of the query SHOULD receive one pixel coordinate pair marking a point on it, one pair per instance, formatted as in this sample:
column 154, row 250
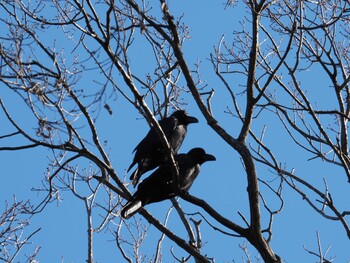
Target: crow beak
column 209, row 157
column 191, row 119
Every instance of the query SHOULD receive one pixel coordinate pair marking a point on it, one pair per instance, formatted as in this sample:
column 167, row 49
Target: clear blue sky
column 222, row 183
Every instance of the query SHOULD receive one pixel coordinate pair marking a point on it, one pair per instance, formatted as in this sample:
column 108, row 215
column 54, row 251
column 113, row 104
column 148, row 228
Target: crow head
column 200, row 156
column 183, row 118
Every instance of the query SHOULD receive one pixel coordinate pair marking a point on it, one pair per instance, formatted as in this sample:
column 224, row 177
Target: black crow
column 160, row 185
column 149, row 153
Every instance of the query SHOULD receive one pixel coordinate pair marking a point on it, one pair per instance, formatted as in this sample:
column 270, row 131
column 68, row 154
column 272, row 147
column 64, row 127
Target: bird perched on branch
column 162, row 184
column 150, row 153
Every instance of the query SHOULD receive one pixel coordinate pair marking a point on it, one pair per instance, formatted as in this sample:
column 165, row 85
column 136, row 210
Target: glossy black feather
column 149, row 153
column 160, row 185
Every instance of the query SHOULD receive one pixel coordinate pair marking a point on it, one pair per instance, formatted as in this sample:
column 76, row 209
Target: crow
column 161, row 184
column 150, row 153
